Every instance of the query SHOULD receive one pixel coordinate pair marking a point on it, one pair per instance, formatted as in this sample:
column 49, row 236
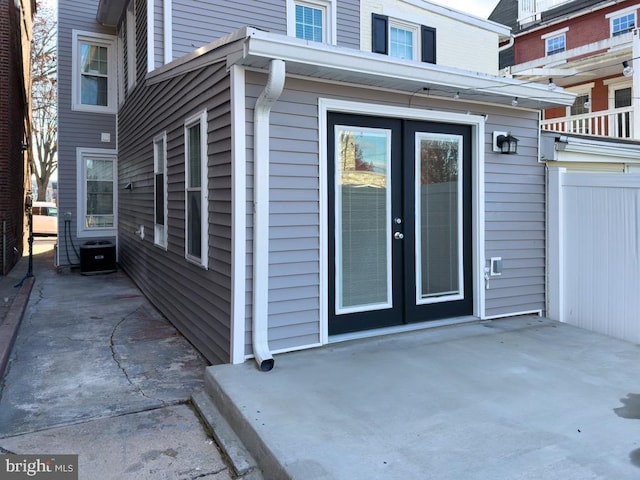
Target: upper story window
column 94, row 83
column 402, row 39
column 312, row 20
column 555, row 44
column 623, row 23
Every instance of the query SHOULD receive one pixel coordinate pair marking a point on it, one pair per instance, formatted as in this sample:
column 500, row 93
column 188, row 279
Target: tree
column 43, row 156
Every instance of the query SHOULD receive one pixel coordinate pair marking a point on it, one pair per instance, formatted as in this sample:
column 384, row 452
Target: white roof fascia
column 598, row 149
column 266, row 45
column 489, row 25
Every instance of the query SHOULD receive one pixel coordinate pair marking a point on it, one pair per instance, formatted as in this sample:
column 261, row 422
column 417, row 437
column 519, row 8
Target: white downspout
column 261, row 158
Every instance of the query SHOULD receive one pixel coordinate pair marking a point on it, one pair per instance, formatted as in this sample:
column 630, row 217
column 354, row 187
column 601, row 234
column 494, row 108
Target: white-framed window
column 623, row 23
column 556, row 44
column 312, row 20
column 94, row 82
column 196, row 188
column 96, row 192
column 160, row 201
column 403, row 40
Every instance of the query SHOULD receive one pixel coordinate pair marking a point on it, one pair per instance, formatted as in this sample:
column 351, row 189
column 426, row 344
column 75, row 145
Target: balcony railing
column 616, row 123
column 530, row 10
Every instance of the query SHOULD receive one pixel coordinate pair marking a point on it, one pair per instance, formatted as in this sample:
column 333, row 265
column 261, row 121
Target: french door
column 399, row 223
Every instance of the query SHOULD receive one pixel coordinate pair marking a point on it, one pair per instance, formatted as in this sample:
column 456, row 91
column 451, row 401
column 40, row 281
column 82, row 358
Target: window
column 96, row 170
column 623, row 24
column 196, row 221
column 555, row 44
column 402, row 39
column 160, row 190
column 94, row 72
column 131, row 46
column 312, row 20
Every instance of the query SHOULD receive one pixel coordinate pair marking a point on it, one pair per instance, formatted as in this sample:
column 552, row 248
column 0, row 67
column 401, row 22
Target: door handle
column 398, row 235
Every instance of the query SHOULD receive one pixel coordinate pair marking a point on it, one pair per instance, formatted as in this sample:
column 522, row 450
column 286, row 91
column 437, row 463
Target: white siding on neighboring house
column 460, row 45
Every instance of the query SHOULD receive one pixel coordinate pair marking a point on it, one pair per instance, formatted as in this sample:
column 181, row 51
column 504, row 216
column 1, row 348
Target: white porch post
column 635, row 90
column 555, row 248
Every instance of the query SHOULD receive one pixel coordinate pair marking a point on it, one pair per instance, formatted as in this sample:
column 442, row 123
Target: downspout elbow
column 261, row 160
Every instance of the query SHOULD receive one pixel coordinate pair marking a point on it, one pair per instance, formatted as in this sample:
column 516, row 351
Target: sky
column 479, row 8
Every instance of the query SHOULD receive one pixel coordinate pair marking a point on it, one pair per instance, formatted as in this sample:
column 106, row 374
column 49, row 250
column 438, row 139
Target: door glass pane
column 438, row 217
column 99, row 193
column 363, row 219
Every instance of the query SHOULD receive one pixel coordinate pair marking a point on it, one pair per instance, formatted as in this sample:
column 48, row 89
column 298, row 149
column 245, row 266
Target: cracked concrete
column 97, row 371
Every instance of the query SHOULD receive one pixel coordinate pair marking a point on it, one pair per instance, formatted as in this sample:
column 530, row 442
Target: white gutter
column 261, row 158
column 512, row 40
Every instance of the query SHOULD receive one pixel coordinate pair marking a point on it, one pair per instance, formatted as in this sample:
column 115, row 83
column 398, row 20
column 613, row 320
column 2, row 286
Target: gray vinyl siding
column 198, row 23
column 514, row 207
column 158, row 33
column 75, row 129
column 196, row 300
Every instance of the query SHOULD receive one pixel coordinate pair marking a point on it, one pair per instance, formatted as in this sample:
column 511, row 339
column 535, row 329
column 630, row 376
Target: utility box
column 97, row 257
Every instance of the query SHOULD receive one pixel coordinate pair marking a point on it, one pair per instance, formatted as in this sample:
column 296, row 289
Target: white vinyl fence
column 594, row 251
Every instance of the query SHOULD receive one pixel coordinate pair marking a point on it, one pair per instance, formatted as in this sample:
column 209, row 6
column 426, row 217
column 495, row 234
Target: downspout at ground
column 261, row 159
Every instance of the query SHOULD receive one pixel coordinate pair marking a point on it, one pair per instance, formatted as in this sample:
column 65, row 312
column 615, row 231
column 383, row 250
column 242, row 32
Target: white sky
column 479, row 8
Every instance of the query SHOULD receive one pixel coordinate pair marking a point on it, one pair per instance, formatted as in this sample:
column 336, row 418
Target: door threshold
column 378, row 332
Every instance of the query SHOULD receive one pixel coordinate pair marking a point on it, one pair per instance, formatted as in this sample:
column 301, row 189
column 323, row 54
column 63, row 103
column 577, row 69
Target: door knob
column 398, row 235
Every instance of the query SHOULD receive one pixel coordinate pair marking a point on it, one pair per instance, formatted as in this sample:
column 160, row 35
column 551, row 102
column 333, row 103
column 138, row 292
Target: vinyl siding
column 196, row 300
column 198, row 23
column 75, row 129
column 514, row 207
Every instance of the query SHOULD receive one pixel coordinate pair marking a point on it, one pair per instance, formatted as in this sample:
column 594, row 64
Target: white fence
column 594, row 251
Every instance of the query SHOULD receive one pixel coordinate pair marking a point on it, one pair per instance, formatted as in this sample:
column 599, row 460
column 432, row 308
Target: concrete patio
column 521, row 398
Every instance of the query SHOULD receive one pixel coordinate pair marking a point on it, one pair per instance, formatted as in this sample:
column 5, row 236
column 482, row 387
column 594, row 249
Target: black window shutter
column 428, row 44
column 379, row 29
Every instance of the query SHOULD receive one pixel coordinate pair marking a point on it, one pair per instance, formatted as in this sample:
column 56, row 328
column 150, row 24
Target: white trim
column 438, row 298
column 555, row 33
column 330, row 26
column 388, row 302
column 151, row 31
column 199, row 118
column 555, row 251
column 102, row 40
column 167, row 12
column 160, row 232
column 132, row 54
column 238, row 215
column 477, row 123
column 514, row 314
column 101, row 153
column 624, row 11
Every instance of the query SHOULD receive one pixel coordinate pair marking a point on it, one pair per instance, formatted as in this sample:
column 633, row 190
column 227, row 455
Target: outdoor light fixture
column 587, row 103
column 504, row 142
column 627, row 70
column 551, row 86
column 514, row 102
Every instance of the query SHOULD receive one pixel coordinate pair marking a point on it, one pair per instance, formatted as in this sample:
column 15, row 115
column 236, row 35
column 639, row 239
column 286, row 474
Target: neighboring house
column 326, row 173
column 589, row 48
column 16, row 24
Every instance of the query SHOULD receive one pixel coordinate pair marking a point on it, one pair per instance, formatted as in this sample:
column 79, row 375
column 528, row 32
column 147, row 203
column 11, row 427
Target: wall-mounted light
column 627, row 70
column 128, row 186
column 504, row 142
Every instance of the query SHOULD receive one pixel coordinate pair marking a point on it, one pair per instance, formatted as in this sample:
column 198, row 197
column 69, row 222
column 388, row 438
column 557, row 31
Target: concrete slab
column 166, row 443
column 522, row 398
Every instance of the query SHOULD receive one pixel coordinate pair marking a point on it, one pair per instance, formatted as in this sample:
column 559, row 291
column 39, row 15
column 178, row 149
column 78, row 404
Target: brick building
column 16, row 20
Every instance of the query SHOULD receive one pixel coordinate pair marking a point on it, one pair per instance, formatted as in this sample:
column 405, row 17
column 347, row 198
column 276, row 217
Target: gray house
column 278, row 175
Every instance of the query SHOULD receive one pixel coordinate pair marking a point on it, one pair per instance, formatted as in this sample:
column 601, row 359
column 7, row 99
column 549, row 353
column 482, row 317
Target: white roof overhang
column 255, row 49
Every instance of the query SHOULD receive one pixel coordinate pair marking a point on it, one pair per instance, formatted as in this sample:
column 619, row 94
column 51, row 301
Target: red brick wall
column 12, row 118
column 583, row 30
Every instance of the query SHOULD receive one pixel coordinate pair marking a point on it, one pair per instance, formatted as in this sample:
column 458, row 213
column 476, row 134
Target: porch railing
column 530, row 10
column 616, row 123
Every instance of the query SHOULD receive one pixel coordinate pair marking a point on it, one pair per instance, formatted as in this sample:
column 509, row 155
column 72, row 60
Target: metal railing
column 530, row 10
column 616, row 123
